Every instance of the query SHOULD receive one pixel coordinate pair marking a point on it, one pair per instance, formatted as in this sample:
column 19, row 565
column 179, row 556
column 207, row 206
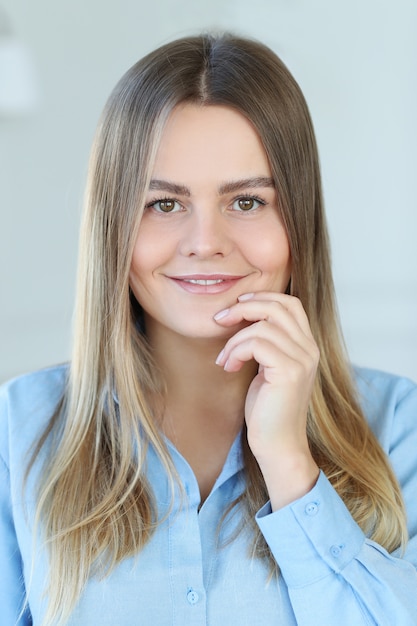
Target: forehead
column 210, row 137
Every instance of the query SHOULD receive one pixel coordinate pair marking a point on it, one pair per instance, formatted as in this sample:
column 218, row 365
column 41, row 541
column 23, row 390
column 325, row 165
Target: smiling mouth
column 206, row 285
column 198, row 281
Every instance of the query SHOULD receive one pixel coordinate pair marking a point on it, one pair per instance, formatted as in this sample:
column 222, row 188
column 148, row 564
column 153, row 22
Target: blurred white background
column 356, row 63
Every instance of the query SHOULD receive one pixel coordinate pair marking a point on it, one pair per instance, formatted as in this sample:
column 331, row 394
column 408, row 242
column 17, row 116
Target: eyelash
column 249, row 197
column 152, row 204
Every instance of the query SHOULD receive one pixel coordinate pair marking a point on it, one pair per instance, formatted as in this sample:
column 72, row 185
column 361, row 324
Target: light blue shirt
column 188, row 573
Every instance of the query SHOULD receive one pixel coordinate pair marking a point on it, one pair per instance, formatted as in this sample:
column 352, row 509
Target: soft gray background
column 356, row 62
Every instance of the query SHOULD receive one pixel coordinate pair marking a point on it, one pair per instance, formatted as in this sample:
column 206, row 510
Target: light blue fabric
column 331, row 574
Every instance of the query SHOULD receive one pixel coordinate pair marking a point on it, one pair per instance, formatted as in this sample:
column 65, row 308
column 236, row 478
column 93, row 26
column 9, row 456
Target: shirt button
column 336, row 550
column 192, row 596
column 312, row 508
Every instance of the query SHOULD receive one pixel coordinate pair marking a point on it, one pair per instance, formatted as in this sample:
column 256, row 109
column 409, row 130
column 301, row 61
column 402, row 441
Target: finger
column 289, row 315
column 290, row 303
column 277, row 366
column 298, row 347
column 258, row 349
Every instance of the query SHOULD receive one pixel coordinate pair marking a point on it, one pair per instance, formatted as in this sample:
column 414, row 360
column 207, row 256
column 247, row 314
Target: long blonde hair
column 95, row 504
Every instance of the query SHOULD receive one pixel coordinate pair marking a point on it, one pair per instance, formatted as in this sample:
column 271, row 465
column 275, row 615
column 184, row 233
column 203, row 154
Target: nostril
column 205, row 238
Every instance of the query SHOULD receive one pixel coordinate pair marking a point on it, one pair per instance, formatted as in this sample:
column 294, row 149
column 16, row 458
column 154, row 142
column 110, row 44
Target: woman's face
column 211, row 229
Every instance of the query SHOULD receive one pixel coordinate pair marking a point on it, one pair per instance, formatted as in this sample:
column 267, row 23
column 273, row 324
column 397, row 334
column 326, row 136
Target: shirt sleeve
column 12, row 588
column 333, row 572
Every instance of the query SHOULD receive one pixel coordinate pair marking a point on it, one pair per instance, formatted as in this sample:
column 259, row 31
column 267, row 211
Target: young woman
column 209, row 456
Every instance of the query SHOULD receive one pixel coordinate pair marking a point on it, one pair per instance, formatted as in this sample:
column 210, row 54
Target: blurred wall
column 356, row 63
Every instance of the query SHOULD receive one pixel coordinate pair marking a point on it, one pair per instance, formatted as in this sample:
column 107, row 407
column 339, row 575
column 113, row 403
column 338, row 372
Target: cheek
column 153, row 248
column 136, row 266
column 144, row 252
column 149, row 255
column 277, row 265
column 139, row 267
column 273, row 253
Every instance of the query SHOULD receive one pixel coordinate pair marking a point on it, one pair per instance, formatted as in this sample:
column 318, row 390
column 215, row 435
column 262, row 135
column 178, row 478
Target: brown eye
column 166, row 206
column 246, row 204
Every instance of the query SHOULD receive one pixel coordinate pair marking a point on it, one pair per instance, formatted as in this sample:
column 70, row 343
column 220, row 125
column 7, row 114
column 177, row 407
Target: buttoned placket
column 190, row 562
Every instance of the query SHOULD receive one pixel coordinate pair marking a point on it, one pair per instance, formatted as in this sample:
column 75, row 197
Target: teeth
column 203, row 282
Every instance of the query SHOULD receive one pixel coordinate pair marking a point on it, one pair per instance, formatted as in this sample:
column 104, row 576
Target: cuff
column 312, row 537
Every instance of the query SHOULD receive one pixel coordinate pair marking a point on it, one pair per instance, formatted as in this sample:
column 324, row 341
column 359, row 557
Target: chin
column 212, row 331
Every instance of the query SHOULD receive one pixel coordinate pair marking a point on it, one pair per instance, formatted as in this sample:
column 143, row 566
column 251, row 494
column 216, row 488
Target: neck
column 204, row 405
column 200, row 395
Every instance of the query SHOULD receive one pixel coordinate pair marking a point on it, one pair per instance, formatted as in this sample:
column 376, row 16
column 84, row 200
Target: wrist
column 288, row 477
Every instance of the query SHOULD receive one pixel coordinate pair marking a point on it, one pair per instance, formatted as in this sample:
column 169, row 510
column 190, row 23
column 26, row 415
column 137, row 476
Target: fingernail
column 245, row 296
column 221, row 314
column 219, row 358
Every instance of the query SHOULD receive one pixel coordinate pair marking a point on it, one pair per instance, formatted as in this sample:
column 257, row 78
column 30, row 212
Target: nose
column 206, row 234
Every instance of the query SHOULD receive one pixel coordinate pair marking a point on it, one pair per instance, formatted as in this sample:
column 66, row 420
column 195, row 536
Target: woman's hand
column 280, row 340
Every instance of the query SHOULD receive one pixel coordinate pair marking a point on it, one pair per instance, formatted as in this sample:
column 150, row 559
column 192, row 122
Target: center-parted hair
column 95, row 505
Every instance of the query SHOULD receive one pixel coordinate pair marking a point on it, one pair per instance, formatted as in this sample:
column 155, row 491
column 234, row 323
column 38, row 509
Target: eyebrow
column 224, row 188
column 165, row 185
column 245, row 183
